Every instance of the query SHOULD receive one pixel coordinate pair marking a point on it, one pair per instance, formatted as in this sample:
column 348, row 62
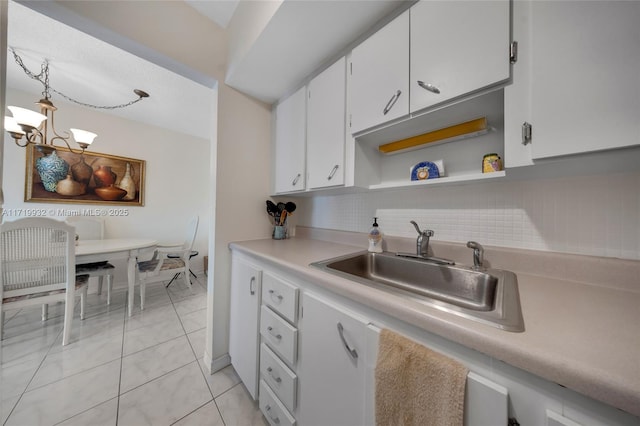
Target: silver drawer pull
column 277, row 336
column 276, row 420
column 333, row 172
column 295, row 181
column 277, row 379
column 352, row 352
column 274, row 294
column 391, row 102
column 251, row 283
column 428, row 86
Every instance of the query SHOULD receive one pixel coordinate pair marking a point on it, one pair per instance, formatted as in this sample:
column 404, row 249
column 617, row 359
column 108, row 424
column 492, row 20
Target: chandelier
column 30, row 127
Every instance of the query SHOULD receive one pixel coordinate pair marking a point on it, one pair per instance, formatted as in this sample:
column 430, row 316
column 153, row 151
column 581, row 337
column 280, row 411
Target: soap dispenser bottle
column 375, row 237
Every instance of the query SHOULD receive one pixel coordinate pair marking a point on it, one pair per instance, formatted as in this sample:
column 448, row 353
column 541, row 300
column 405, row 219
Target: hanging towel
column 417, row 386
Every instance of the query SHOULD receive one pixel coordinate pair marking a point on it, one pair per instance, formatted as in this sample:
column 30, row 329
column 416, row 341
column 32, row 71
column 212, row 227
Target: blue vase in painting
column 51, row 169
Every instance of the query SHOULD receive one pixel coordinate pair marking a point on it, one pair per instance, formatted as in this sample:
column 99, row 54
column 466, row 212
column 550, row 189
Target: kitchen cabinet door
column 289, row 161
column 585, row 78
column 326, row 131
column 379, row 70
column 332, row 365
column 244, row 338
column 457, row 47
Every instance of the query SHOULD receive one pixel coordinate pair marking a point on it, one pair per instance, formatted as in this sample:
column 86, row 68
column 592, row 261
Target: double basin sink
column 489, row 296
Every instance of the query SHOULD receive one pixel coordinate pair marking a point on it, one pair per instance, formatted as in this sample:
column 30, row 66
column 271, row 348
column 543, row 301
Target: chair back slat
column 192, row 230
column 34, row 257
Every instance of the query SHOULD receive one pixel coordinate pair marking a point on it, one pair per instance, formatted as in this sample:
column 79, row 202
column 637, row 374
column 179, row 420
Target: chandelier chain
column 43, row 78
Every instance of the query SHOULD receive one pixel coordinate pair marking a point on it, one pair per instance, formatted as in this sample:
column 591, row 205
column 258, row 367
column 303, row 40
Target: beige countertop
column 581, row 335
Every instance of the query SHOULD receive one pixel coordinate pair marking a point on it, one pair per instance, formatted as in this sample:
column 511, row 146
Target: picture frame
column 61, row 175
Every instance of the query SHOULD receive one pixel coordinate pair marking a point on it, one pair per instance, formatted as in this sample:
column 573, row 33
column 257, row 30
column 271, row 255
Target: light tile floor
column 145, row 369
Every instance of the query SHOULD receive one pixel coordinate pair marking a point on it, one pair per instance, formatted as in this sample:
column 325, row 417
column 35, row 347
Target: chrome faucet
column 478, row 254
column 422, row 243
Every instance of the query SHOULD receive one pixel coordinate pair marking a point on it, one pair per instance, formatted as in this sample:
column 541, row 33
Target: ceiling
column 219, row 11
column 92, row 71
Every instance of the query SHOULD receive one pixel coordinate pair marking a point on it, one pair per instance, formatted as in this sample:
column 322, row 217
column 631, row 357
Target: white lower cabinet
column 274, row 411
column 243, row 322
column 332, row 365
column 278, row 350
column 318, row 353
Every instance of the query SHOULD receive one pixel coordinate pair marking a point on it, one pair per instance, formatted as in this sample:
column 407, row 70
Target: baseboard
column 217, row 364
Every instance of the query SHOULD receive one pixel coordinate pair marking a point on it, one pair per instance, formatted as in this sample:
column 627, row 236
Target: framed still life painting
column 61, row 175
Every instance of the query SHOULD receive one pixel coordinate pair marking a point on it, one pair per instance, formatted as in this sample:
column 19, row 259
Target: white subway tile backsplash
column 595, row 215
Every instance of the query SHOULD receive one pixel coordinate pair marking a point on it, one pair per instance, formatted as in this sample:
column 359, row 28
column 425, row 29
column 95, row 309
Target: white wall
column 176, row 183
column 243, row 184
column 592, row 215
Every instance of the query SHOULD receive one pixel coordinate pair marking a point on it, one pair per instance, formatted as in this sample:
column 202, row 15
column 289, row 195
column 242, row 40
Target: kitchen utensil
column 290, row 207
column 272, row 209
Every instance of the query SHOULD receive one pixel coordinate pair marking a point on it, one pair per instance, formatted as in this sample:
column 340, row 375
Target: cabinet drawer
column 280, row 378
column 281, row 296
column 279, row 335
column 272, row 408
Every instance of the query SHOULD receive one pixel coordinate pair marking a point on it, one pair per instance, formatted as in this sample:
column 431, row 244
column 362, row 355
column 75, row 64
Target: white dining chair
column 92, row 228
column 37, row 267
column 162, row 267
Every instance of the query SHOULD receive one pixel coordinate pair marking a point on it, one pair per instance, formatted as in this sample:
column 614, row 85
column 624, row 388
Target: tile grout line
column 124, row 325
column 213, row 398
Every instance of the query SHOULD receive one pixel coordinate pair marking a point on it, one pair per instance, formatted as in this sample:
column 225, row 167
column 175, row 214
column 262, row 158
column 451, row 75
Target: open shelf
column 439, row 181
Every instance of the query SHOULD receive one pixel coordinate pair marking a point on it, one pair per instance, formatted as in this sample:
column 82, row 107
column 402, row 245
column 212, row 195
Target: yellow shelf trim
column 467, row 129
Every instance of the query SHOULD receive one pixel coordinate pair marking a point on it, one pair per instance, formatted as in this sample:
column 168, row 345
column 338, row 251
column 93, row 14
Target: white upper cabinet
column 457, row 47
column 585, row 76
column 380, row 76
column 326, row 131
column 290, row 143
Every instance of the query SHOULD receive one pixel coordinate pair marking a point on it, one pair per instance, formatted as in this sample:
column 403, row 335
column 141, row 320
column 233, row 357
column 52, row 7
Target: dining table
column 110, row 249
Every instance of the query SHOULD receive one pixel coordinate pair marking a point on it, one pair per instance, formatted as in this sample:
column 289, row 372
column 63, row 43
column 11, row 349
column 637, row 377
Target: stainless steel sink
column 489, row 296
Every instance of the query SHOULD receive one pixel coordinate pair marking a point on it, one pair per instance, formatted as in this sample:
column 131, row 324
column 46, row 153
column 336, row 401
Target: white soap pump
column 375, row 237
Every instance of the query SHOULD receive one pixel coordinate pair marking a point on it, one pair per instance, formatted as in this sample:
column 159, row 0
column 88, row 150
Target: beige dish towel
column 417, row 386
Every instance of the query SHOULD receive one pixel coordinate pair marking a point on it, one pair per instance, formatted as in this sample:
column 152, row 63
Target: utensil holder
column 279, row 232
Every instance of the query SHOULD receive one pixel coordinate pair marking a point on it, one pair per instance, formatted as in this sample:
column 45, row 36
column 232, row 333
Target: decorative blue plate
column 425, row 170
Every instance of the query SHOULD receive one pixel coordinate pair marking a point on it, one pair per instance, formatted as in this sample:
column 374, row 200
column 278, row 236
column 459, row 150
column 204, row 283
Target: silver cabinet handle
column 251, row 283
column 526, row 133
column 276, row 420
column 273, row 293
column 391, row 102
column 277, row 379
column 428, row 86
column 333, row 172
column 271, row 332
column 295, row 181
column 352, row 352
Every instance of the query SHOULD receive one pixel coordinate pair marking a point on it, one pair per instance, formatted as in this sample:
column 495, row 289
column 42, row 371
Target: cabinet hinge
column 351, row 68
column 526, row 133
column 513, row 52
column 349, row 120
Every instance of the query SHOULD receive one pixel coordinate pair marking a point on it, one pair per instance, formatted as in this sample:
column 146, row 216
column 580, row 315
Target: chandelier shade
column 83, row 136
column 12, row 126
column 27, row 117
